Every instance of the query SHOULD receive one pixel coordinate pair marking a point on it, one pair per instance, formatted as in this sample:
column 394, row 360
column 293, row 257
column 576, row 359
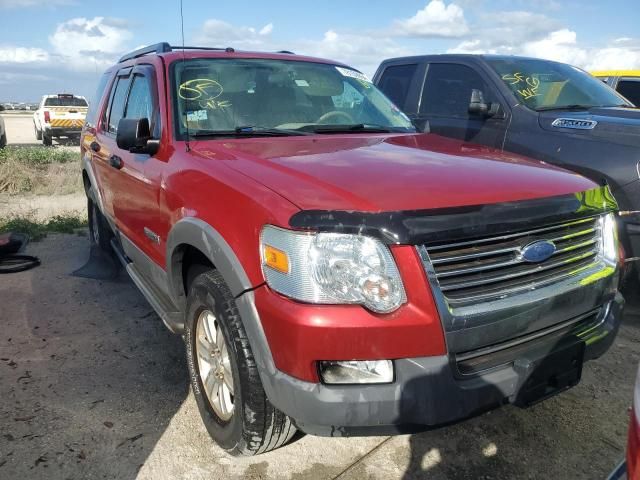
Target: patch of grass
column 36, row 155
column 39, row 171
column 39, row 229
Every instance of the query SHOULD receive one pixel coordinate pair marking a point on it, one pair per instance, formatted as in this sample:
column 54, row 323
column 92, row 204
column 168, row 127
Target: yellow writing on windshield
column 525, row 86
column 205, row 91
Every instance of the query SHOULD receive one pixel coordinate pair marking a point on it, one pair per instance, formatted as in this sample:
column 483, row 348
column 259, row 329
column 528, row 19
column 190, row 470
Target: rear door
column 444, row 104
column 109, row 179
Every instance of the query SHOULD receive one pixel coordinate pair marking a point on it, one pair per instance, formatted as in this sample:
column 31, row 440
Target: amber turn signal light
column 276, row 259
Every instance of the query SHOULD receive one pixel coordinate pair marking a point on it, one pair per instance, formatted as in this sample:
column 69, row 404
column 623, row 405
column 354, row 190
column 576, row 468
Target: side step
column 165, row 309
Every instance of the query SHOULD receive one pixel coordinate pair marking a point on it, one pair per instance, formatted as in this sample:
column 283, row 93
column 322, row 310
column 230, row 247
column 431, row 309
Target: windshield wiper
column 347, row 128
column 565, row 107
column 247, row 131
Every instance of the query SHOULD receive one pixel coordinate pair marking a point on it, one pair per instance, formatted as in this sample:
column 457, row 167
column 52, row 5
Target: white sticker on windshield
column 302, row 83
column 347, row 72
column 197, row 115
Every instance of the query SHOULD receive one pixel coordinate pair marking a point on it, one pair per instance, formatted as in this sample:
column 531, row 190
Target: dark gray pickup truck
column 542, row 109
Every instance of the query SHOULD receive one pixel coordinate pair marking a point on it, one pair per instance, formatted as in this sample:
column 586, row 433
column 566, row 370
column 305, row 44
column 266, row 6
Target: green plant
column 39, row 229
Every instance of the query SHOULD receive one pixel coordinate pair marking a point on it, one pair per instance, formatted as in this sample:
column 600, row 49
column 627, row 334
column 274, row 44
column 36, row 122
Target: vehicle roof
column 615, row 73
column 467, row 56
column 55, row 95
column 203, row 52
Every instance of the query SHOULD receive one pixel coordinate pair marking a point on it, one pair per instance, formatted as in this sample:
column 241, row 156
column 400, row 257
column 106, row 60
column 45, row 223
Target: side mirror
column 478, row 106
column 134, row 135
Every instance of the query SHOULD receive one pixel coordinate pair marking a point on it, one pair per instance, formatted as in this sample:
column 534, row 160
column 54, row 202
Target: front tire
column 224, row 376
column 3, row 140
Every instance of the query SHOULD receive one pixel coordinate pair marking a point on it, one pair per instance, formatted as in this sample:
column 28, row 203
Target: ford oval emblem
column 537, row 252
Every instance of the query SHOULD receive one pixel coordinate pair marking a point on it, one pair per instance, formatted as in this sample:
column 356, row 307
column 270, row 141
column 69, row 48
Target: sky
column 55, row 46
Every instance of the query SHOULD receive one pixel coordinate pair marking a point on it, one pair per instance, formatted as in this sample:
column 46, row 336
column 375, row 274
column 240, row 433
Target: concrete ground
column 92, row 385
column 20, row 130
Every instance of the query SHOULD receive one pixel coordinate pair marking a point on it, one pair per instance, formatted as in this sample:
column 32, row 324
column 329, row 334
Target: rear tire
column 233, row 404
column 100, row 233
column 47, row 141
column 38, row 133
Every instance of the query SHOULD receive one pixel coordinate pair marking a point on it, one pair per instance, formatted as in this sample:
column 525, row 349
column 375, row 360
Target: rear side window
column 395, row 82
column 630, row 89
column 447, row 90
column 94, row 103
column 116, row 107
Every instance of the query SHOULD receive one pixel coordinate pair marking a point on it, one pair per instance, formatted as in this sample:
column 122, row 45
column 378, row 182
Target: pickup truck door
column 444, row 104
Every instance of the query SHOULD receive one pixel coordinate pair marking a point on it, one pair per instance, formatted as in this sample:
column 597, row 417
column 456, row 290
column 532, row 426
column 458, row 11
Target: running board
column 172, row 319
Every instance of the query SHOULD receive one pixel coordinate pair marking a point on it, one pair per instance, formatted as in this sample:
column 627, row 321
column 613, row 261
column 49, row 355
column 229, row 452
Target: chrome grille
column 492, row 266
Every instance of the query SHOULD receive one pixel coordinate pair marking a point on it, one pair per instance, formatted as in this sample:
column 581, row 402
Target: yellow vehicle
column 626, row 82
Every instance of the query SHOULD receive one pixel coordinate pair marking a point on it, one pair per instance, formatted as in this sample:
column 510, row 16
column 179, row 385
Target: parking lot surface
column 20, row 130
column 94, row 386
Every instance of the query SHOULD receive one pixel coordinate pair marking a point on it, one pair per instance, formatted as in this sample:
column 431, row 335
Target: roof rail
column 180, row 47
column 157, row 48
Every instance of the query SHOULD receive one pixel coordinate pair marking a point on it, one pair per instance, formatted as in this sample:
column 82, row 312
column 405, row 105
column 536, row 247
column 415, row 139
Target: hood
column 374, row 172
column 619, row 125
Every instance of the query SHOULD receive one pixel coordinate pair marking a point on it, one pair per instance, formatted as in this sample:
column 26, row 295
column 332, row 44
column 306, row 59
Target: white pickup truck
column 3, row 131
column 58, row 116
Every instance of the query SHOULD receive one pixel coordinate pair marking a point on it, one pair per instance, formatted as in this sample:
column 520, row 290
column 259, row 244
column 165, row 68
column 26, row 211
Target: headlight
column 608, row 238
column 331, row 268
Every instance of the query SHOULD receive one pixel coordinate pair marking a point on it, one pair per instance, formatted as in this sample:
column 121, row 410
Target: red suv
column 331, row 269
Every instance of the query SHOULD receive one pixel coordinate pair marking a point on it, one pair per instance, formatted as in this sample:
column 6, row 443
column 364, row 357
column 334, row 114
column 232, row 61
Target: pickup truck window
column 65, row 101
column 447, row 90
column 246, row 95
column 630, row 89
column 545, row 85
column 395, row 82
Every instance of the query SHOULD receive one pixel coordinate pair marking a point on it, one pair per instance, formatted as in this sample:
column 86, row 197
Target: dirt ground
column 94, row 386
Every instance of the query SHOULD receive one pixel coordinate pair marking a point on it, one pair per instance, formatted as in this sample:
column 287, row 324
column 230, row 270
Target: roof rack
column 164, row 47
column 286, row 51
column 157, row 48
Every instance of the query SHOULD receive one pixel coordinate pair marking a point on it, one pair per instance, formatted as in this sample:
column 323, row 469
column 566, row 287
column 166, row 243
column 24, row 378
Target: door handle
column 116, row 162
column 95, row 146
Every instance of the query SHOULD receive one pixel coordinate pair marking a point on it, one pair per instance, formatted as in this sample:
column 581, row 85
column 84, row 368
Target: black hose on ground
column 11, row 261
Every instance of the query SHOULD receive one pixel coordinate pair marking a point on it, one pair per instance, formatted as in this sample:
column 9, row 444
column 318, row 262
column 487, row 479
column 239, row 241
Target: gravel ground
column 93, row 386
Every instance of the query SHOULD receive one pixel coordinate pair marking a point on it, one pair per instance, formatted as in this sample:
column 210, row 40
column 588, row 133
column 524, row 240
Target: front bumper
column 428, row 391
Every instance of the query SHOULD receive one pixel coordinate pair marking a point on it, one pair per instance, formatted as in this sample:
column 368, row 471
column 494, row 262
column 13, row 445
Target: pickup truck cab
column 545, row 110
column 59, row 116
column 330, row 268
column 625, row 82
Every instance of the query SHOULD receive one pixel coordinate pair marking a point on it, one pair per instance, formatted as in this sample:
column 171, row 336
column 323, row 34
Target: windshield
column 251, row 95
column 542, row 85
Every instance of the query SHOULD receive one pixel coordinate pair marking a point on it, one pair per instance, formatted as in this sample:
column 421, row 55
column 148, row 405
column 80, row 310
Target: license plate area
column 555, row 372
